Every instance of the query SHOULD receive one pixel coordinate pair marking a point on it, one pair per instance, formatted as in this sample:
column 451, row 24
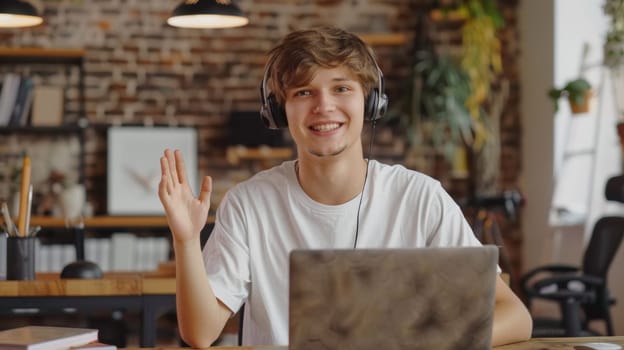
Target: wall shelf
column 385, row 39
column 40, row 129
column 68, row 58
column 41, row 55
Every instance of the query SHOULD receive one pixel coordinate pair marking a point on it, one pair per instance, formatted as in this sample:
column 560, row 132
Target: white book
column 56, row 257
column 42, row 257
column 162, row 250
column 123, row 251
column 45, row 338
column 152, row 254
column 104, row 247
column 141, row 254
column 68, row 255
column 91, row 250
column 8, row 95
column 97, row 250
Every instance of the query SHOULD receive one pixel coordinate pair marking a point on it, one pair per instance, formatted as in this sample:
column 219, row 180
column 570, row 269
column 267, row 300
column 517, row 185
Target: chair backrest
column 605, row 240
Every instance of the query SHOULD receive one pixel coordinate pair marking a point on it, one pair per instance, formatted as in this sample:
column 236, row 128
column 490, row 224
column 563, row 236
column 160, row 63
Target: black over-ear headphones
column 274, row 116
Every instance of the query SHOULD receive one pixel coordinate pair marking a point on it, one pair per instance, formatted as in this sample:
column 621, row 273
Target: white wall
column 553, row 33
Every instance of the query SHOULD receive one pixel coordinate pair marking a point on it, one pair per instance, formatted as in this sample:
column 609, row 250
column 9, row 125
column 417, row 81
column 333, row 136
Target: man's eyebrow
column 343, row 79
column 336, row 79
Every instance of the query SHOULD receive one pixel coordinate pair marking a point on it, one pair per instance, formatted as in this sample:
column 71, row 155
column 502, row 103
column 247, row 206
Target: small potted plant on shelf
column 578, row 92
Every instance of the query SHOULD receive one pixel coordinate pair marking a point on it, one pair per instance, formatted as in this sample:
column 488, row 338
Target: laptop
column 424, row 298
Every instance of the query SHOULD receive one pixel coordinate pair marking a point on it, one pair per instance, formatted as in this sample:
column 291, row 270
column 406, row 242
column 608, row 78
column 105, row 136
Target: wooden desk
column 150, row 294
column 533, row 344
column 561, row 343
column 106, row 221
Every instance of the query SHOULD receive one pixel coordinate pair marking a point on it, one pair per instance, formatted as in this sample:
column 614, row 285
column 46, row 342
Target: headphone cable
column 370, row 155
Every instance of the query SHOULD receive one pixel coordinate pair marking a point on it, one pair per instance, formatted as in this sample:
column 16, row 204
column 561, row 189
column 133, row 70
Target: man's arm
column 512, row 321
column 201, row 316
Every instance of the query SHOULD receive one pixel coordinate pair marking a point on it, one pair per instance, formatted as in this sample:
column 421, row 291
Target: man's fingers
column 180, row 166
column 206, row 190
column 165, row 178
column 163, row 193
column 172, row 166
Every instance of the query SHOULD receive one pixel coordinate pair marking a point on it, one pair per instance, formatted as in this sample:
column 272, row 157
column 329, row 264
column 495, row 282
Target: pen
column 34, row 230
column 26, row 231
column 8, row 222
column 21, row 218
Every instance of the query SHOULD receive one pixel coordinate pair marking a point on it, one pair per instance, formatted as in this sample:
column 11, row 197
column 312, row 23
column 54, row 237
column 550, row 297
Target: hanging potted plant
column 614, row 41
column 433, row 113
column 578, row 92
column 614, row 55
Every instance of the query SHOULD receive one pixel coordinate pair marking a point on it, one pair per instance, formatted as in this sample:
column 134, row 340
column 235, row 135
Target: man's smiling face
column 325, row 116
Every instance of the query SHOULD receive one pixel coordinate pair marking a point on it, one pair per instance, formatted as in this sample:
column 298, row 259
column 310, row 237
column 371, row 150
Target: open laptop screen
column 425, row 298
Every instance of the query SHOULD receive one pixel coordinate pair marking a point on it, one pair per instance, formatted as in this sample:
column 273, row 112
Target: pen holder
column 20, row 264
column 3, row 251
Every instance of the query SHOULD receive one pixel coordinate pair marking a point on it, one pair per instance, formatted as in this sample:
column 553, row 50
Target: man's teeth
column 326, row 127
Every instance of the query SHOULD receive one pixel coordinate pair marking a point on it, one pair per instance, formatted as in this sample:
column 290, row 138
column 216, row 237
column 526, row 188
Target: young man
column 323, row 84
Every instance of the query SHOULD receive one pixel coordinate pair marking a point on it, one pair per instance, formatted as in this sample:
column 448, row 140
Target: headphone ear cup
column 370, row 109
column 278, row 113
column 272, row 114
column 382, row 106
column 376, row 105
column 267, row 118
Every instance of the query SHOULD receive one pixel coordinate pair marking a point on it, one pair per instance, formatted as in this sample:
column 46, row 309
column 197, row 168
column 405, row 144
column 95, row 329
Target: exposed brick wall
column 139, row 70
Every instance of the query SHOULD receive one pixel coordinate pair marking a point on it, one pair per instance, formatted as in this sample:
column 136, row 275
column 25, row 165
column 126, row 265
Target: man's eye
column 302, row 93
column 342, row 89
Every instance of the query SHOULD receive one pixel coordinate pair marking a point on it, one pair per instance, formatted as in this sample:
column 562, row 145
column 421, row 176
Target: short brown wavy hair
column 299, row 54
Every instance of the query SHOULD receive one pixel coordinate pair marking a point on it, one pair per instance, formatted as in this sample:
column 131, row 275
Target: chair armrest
column 583, row 296
column 587, row 280
column 552, row 269
column 566, row 295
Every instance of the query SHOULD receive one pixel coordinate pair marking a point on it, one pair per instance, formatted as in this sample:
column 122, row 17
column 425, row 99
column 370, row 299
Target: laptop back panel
column 425, row 298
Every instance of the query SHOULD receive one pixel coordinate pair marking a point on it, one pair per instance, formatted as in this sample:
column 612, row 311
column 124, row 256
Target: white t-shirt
column 261, row 220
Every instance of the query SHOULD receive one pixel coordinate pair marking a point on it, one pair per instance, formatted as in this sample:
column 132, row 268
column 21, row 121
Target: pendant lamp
column 17, row 14
column 207, row 14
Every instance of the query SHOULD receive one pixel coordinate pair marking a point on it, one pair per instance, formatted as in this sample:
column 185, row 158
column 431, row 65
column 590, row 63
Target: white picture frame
column 133, row 163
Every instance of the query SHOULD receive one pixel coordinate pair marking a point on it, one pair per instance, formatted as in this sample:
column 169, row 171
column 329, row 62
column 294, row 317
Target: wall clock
column 134, row 166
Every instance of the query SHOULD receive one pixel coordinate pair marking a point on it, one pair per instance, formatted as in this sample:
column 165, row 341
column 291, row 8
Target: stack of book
column 51, row 338
column 22, row 103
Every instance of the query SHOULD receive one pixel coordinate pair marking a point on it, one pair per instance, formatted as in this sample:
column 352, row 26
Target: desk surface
column 561, row 343
column 533, row 344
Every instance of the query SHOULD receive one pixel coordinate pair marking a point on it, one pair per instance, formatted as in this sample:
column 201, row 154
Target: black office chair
column 582, row 293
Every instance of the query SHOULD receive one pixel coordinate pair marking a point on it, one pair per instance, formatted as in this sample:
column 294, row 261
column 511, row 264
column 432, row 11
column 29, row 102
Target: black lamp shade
column 207, row 14
column 17, row 13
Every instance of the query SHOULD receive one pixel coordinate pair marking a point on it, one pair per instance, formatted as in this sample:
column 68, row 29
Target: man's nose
column 324, row 103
